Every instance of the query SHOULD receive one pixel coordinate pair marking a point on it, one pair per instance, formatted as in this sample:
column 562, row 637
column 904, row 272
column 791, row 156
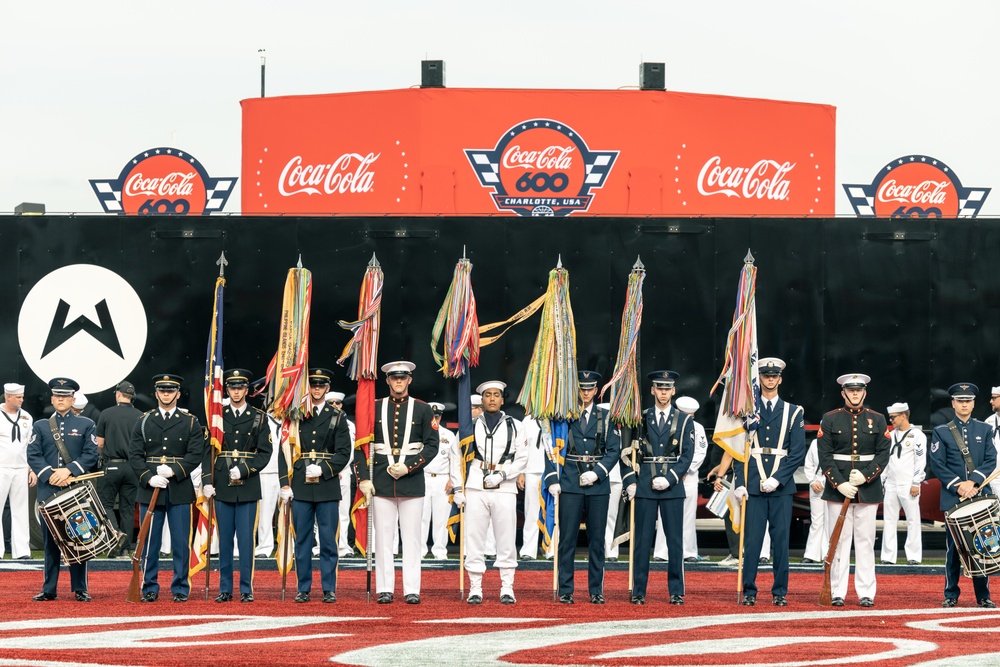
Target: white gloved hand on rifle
column 158, row 481
column 234, row 473
column 848, row 489
column 208, row 491
column 164, row 471
column 286, row 493
column 660, row 484
column 588, row 478
column 857, row 478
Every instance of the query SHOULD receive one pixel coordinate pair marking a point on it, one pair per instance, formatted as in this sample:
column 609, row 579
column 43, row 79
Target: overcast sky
column 86, row 86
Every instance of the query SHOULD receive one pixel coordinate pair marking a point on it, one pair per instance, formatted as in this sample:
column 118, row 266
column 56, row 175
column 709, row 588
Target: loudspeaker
column 432, row 74
column 652, row 76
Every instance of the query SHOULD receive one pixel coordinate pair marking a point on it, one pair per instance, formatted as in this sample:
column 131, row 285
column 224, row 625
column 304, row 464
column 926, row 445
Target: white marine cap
column 398, row 368
column 897, row 408
column 335, row 396
column 687, row 404
column 475, row 400
column 770, row 366
column 853, row 380
column 438, row 408
column 81, row 401
column 13, row 388
column 491, row 384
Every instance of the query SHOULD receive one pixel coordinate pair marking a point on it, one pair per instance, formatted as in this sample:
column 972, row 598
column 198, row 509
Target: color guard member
column 902, row 479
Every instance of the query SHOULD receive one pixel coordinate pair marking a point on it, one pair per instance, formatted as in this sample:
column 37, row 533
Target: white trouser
column 897, row 497
column 14, row 486
column 165, row 544
column 818, row 541
column 529, row 533
column 269, row 488
column 390, row 512
column 344, row 508
column 481, row 509
column 436, row 512
column 610, row 550
column 859, row 528
column 690, row 515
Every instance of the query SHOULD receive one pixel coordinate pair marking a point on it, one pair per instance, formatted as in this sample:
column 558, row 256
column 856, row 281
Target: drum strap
column 963, row 448
column 60, row 445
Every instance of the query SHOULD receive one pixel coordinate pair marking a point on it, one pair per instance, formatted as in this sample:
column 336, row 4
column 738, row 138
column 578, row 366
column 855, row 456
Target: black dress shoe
column 949, row 603
column 913, row 562
column 246, row 597
column 837, row 602
column 810, row 561
column 412, row 598
column 475, row 599
column 149, row 597
column 597, row 598
column 611, row 559
column 23, row 558
column 779, row 601
column 749, row 600
column 329, row 596
column 987, row 603
column 180, row 597
column 676, row 599
column 45, row 597
column 302, row 597
column 527, row 558
column 384, row 598
column 566, row 598
column 83, row 596
column 638, row 599
column 224, row 597
column 507, row 599
column 866, row 602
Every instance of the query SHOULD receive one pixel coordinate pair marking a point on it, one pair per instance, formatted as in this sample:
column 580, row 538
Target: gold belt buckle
column 236, row 454
column 855, row 457
column 163, row 460
column 396, row 451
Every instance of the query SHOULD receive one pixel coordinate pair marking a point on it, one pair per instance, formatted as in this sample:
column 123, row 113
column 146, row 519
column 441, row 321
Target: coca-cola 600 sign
column 163, row 181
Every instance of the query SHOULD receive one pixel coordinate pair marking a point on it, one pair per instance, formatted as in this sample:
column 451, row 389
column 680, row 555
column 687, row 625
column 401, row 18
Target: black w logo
column 61, row 330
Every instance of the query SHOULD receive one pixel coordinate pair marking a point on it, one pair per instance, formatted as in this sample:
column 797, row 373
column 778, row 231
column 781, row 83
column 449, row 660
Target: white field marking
column 941, row 624
column 491, row 620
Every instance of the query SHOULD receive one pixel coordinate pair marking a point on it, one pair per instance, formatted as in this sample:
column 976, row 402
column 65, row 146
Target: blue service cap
column 63, row 386
column 963, row 391
column 663, row 378
column 588, row 379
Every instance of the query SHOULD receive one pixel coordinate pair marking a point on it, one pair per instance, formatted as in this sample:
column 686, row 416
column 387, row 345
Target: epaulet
column 149, row 412
column 187, row 412
column 255, row 408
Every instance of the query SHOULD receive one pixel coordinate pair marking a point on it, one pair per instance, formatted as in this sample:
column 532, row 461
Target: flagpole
column 222, row 264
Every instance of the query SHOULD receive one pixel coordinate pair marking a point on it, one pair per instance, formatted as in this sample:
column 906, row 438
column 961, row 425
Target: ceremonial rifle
column 138, row 559
column 825, row 598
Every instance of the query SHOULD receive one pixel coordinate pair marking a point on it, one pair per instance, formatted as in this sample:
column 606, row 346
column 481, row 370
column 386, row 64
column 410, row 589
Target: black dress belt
column 117, row 460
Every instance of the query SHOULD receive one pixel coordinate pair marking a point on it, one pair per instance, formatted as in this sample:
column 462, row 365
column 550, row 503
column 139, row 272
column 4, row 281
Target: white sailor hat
column 687, row 404
column 399, row 368
column 897, row 408
column 491, row 384
column 13, row 388
column 995, row 391
column 475, row 400
column 851, row 380
column 335, row 396
column 81, row 401
column 770, row 366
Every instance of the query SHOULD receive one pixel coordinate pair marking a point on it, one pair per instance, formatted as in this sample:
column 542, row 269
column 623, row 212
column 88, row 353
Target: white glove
column 208, row 491
column 588, row 478
column 367, row 488
column 660, row 484
column 313, row 470
column 459, row 498
column 857, row 478
column 555, row 490
column 848, row 489
column 164, row 471
column 492, row 480
column 158, row 481
column 740, row 492
column 234, row 473
column 397, row 470
column 286, row 493
column 769, row 485
column 630, row 491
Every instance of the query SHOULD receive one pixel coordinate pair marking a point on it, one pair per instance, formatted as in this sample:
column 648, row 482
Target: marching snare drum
column 78, row 523
column 974, row 526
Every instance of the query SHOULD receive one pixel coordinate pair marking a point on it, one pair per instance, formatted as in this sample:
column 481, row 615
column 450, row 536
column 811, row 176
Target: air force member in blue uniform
column 775, row 455
column 583, row 487
column 663, row 455
column 79, row 436
column 167, row 445
column 962, row 457
column 235, row 482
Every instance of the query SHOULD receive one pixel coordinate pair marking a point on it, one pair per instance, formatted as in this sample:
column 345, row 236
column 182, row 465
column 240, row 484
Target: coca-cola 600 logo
column 541, row 167
column 163, row 181
column 916, row 186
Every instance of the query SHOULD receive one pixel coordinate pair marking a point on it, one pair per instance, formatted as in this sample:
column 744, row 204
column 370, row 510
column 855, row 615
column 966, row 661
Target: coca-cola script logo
column 349, row 173
column 765, row 179
column 163, row 181
column 541, row 167
column 916, row 186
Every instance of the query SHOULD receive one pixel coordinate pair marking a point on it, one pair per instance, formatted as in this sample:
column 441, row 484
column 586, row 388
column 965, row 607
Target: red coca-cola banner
column 537, row 153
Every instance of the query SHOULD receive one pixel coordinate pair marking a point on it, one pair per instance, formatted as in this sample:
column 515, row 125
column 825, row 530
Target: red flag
column 364, row 421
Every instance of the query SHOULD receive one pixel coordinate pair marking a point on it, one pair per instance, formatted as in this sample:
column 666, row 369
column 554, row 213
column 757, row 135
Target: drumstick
column 89, row 475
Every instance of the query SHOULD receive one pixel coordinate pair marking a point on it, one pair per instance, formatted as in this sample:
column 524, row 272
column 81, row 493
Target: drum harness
column 963, row 449
column 600, row 447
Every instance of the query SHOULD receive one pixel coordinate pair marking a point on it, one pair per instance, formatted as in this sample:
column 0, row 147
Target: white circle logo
column 83, row 322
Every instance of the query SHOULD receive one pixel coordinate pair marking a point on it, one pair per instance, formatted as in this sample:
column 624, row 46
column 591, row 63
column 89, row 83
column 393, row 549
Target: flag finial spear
column 373, row 262
column 464, row 256
column 749, row 258
column 223, row 263
column 298, row 264
column 638, row 266
column 559, row 262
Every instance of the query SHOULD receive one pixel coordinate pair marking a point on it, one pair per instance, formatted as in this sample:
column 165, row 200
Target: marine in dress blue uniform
column 313, row 486
column 167, row 445
column 584, row 489
column 775, row 455
column 80, row 439
column 235, row 482
column 664, row 453
column 962, row 456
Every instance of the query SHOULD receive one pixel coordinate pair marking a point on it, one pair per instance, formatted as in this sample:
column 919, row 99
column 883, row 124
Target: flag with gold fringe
column 739, row 408
column 362, row 353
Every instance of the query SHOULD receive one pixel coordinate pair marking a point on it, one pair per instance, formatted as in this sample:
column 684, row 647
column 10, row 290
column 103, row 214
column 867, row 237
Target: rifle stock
column 138, row 561
column 825, row 598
